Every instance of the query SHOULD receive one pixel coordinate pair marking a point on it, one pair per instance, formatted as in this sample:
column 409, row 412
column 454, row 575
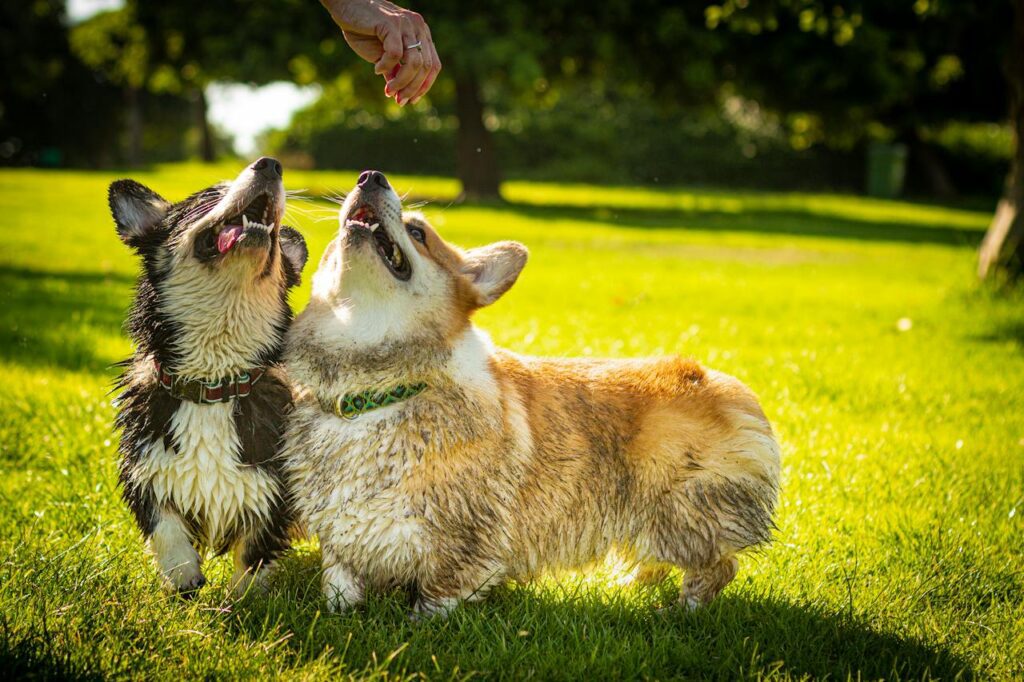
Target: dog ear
column 295, row 253
column 493, row 269
column 137, row 210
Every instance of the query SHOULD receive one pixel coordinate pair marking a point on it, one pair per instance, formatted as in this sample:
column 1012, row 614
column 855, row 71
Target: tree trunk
column 206, row 150
column 1003, row 248
column 475, row 160
column 133, row 146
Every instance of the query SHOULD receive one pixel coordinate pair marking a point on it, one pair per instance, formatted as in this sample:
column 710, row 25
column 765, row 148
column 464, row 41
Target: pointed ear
column 295, row 253
column 137, row 210
column 493, row 269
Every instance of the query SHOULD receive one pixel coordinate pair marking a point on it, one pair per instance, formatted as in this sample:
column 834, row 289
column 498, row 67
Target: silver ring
column 418, row 45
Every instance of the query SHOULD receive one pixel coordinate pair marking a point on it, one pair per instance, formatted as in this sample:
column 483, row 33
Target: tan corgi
column 421, row 454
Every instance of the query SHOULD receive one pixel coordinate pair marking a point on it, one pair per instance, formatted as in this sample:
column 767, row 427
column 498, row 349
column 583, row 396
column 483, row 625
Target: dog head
column 216, row 265
column 234, row 225
column 398, row 266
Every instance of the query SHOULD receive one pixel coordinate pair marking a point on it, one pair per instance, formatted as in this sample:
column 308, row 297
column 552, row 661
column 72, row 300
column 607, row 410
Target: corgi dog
column 203, row 399
column 422, row 455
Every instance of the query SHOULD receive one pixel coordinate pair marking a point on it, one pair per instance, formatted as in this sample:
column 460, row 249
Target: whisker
column 200, row 208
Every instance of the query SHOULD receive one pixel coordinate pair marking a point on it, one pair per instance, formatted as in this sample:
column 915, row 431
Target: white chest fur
column 356, row 496
column 360, row 483
column 226, row 317
column 203, row 477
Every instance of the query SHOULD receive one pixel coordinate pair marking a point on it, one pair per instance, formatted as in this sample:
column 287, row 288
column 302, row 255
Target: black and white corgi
column 203, row 399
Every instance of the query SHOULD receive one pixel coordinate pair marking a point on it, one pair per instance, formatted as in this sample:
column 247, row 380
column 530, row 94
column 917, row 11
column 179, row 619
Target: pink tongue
column 227, row 237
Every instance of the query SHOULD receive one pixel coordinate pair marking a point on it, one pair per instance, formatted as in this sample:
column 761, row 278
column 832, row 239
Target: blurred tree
column 534, row 53
column 847, row 70
column 115, row 45
column 1003, row 248
column 52, row 110
column 842, row 71
column 195, row 42
column 514, row 52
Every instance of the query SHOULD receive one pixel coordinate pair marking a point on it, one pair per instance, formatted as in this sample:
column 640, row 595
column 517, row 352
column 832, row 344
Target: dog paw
column 425, row 609
column 690, row 604
column 188, row 587
column 684, row 605
column 342, row 589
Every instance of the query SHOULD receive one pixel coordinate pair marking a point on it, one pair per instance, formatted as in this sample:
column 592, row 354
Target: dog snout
column 268, row 167
column 372, row 179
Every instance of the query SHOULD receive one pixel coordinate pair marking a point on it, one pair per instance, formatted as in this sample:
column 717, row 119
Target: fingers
column 419, row 66
column 404, row 95
column 435, row 68
column 412, row 60
column 390, row 37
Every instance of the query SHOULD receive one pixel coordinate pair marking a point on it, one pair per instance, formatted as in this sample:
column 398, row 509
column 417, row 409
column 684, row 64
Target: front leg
column 175, row 554
column 342, row 588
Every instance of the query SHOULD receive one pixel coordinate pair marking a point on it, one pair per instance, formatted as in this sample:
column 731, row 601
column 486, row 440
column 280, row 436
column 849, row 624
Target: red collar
column 209, row 392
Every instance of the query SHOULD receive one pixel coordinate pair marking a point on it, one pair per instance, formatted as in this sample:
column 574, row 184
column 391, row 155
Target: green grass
column 900, row 542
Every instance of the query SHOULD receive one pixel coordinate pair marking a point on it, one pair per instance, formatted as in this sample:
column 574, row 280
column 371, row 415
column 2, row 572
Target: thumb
column 391, row 41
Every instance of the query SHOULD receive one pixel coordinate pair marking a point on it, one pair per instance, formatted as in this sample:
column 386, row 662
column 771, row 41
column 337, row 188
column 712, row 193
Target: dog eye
column 417, row 234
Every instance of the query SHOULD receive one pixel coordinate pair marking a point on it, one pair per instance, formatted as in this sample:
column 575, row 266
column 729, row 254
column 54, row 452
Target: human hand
column 396, row 41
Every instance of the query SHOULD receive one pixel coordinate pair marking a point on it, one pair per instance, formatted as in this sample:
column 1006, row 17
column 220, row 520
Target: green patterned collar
column 351, row 405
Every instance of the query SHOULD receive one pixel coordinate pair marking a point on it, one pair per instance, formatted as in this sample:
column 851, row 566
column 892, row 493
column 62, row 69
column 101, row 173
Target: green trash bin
column 887, row 168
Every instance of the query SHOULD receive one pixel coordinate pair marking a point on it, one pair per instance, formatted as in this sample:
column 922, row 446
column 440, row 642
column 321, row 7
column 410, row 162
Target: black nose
column 370, row 178
column 268, row 167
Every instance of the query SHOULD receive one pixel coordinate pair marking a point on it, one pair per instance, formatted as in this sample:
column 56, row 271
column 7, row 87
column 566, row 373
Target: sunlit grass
column 895, row 383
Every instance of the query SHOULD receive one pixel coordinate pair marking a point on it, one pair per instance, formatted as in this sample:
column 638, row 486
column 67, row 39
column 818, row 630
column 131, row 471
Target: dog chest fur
column 219, row 320
column 202, row 475
column 369, row 486
column 365, row 513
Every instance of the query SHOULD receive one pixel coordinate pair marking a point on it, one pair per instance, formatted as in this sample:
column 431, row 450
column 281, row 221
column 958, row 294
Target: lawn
column 895, row 383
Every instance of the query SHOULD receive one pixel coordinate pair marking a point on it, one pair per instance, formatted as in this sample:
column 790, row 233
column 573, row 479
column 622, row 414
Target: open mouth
column 366, row 220
column 255, row 218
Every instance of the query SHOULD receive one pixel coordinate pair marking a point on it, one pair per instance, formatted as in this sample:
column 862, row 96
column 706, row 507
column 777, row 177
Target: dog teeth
column 373, row 228
column 246, row 223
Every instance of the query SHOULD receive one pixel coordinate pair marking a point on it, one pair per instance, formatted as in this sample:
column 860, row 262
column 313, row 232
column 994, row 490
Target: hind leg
column 701, row 585
column 250, row 572
column 254, row 554
column 691, row 537
column 175, row 554
column 443, row 592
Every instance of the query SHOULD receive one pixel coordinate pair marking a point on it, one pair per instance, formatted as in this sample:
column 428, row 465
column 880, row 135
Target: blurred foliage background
column 917, row 98
column 777, row 95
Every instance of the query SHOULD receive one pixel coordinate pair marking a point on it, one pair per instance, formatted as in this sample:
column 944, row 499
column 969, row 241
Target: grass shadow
column 760, row 221
column 572, row 633
column 1005, row 331
column 56, row 318
column 31, row 659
